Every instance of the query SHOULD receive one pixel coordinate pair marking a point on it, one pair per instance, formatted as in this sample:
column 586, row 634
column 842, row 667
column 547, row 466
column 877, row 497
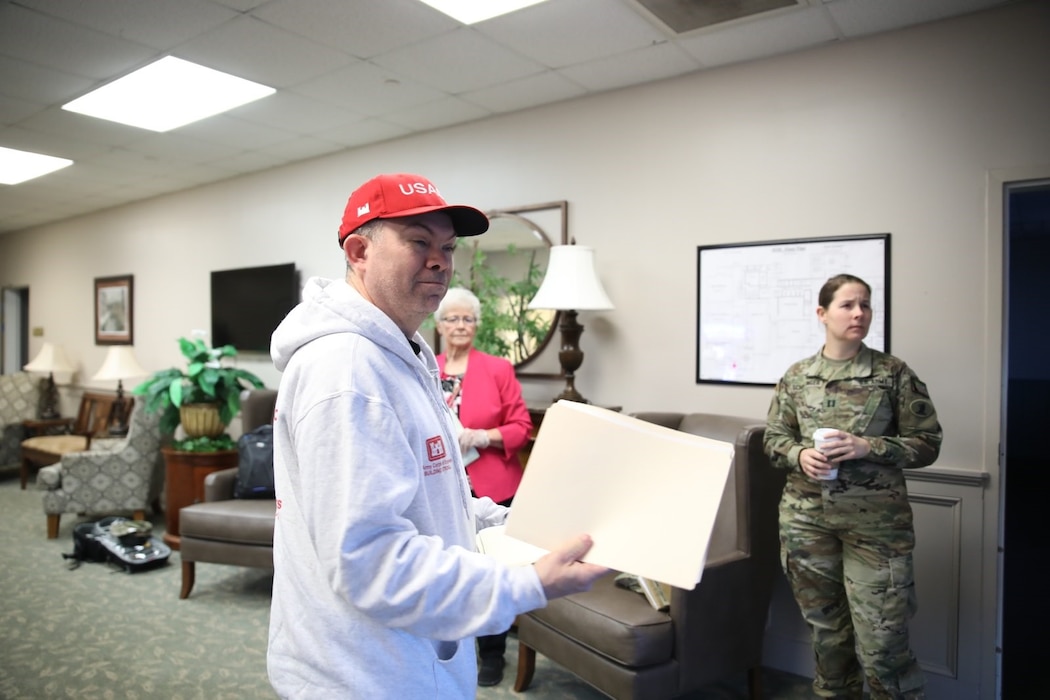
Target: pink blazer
column 491, row 398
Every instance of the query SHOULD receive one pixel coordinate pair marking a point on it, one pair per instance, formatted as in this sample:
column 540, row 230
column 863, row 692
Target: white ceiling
column 347, row 73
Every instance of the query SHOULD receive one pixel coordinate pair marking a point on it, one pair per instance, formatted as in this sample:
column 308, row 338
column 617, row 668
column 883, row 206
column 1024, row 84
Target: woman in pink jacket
column 483, row 392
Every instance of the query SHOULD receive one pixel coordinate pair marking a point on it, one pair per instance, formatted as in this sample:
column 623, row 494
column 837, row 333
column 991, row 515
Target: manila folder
column 646, row 494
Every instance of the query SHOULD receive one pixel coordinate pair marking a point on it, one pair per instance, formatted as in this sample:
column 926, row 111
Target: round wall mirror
column 504, row 267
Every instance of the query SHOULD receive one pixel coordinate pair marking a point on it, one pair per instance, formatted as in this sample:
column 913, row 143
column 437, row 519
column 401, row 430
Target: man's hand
column 561, row 572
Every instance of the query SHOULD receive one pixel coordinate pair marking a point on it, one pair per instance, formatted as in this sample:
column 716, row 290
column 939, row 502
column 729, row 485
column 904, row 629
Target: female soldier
column 847, row 541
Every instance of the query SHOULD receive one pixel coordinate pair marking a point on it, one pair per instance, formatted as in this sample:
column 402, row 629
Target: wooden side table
column 184, row 474
column 47, row 426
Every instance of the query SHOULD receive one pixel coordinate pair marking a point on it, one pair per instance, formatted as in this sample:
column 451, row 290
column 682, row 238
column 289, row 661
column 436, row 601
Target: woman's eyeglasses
column 454, row 320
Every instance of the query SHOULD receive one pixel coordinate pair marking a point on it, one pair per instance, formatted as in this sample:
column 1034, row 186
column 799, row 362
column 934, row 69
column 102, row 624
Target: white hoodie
column 378, row 591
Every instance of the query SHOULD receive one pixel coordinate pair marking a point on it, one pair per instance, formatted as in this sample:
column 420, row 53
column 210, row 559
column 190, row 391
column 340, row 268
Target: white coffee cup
column 820, row 439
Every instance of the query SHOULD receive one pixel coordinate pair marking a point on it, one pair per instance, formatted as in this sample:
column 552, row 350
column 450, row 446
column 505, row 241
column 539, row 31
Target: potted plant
column 203, row 398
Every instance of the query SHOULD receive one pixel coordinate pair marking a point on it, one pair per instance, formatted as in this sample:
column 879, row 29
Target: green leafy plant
column 508, row 327
column 205, row 444
column 205, row 380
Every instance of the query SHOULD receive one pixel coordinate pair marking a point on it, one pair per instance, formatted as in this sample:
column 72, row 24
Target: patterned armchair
column 19, row 396
column 113, row 477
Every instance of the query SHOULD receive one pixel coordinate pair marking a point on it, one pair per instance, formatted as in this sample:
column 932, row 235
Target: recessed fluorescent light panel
column 19, row 166
column 474, row 11
column 168, row 94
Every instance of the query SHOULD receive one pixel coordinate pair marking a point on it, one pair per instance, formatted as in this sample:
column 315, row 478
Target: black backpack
column 121, row 542
column 86, row 547
column 255, row 465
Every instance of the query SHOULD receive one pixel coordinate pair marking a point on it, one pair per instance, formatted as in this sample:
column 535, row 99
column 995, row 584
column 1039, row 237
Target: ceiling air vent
column 683, row 16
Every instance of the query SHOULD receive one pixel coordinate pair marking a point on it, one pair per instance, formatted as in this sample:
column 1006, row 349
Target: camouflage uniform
column 846, row 544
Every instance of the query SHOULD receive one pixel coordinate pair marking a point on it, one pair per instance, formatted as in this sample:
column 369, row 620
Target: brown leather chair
column 612, row 638
column 226, row 530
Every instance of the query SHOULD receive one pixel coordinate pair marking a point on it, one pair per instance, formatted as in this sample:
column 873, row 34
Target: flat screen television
column 248, row 303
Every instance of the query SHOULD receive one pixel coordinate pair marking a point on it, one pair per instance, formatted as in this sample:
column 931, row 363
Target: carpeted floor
column 97, row 632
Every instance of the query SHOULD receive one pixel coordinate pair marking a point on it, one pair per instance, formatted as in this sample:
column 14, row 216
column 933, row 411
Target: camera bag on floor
column 255, row 464
column 127, row 544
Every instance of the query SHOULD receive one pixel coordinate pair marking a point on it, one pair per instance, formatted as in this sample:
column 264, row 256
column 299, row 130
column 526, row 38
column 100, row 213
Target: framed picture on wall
column 114, row 320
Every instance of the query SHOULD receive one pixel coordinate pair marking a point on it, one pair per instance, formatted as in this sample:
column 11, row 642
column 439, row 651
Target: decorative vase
column 201, row 419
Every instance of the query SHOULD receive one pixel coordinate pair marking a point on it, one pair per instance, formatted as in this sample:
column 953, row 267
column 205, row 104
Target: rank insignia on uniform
column 919, row 387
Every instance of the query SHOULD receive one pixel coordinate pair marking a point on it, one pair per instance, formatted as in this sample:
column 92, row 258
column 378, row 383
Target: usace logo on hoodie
column 438, row 456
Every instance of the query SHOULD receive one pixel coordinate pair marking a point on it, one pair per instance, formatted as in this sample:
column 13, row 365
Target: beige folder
column 647, row 495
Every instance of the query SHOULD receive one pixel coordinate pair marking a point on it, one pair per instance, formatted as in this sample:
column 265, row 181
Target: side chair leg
column 189, row 571
column 52, row 525
column 754, row 682
column 526, row 667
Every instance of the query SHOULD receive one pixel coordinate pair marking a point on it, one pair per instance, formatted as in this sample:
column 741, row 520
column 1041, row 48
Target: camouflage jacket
column 874, row 395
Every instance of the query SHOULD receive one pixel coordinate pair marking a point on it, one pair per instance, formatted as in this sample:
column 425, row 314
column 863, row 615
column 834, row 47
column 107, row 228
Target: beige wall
column 902, row 133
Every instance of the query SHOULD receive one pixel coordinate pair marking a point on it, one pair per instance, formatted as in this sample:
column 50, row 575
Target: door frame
column 994, row 399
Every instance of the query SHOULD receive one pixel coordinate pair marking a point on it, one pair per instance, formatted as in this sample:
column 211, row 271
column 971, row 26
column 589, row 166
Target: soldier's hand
column 561, row 572
column 846, row 446
column 813, row 463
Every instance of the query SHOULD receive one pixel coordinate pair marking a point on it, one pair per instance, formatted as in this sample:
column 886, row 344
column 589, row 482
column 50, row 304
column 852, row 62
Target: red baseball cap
column 402, row 194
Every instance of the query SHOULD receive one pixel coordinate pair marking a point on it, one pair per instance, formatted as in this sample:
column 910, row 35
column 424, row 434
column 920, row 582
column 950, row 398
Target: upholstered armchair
column 226, row 530
column 19, row 399
column 114, row 476
column 615, row 640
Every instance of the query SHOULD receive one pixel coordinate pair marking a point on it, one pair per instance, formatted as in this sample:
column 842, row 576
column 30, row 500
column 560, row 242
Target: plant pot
column 200, row 419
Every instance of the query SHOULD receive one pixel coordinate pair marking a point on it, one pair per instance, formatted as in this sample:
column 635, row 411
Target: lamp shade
column 120, row 363
column 51, row 358
column 571, row 282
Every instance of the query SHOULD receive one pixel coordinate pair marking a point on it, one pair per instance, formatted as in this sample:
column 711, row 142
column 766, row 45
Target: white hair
column 459, row 296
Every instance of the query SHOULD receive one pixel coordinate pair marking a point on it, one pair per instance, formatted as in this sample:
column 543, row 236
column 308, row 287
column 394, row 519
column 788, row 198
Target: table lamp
column 50, row 359
column 570, row 285
column 120, row 364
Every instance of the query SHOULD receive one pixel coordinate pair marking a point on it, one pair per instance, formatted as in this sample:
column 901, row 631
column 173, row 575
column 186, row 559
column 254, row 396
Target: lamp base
column 570, row 356
column 119, row 419
column 570, row 394
column 49, row 405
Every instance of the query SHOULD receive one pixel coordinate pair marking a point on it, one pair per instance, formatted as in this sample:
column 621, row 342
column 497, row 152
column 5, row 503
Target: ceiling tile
column 160, row 24
column 368, row 89
column 361, row 29
column 59, row 123
column 862, row 17
column 450, row 62
column 434, row 115
column 533, row 90
column 295, row 113
column 237, row 133
column 639, row 66
column 567, row 32
column 13, row 110
column 298, row 148
column 252, row 49
column 364, row 132
column 40, row 84
column 55, row 43
column 180, row 146
column 761, row 37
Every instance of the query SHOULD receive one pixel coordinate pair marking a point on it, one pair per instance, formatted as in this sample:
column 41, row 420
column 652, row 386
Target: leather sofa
column 226, row 530
column 613, row 639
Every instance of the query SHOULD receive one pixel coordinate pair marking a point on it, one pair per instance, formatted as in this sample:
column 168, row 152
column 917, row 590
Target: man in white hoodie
column 378, row 591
